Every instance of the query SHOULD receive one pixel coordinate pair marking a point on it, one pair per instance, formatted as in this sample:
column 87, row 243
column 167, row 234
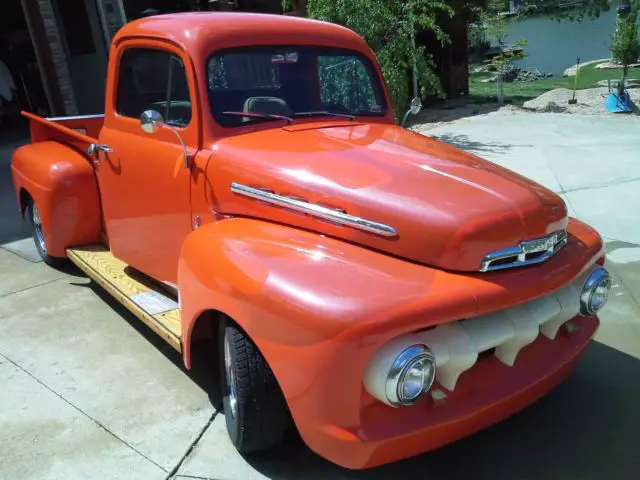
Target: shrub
column 388, row 27
column 625, row 45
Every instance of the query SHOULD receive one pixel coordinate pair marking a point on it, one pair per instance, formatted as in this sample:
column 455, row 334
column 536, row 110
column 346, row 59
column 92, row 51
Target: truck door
column 144, row 185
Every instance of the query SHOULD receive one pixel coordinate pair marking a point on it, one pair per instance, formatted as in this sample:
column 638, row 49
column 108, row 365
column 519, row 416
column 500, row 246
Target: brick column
column 52, row 61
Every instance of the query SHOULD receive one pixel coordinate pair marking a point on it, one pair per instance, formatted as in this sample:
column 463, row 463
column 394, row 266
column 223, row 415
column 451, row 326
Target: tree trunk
column 501, row 85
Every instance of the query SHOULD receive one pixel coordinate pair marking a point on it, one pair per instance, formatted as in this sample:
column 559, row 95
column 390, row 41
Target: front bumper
column 488, row 393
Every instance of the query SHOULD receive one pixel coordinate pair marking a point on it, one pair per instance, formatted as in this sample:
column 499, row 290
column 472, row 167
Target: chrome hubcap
column 37, row 223
column 231, row 381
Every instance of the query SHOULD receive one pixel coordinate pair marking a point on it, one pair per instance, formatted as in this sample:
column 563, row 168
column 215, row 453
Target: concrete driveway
column 86, row 391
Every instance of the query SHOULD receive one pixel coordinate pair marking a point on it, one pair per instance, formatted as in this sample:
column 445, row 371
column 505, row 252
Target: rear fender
column 61, row 181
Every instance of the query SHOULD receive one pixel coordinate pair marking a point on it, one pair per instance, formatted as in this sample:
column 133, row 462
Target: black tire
column 38, row 237
column 260, row 417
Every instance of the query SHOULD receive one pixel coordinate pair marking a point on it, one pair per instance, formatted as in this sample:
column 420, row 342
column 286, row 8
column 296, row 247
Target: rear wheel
column 255, row 410
column 37, row 232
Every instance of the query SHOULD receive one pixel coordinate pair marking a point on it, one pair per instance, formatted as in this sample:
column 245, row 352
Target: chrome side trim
column 76, row 117
column 527, row 253
column 312, row 209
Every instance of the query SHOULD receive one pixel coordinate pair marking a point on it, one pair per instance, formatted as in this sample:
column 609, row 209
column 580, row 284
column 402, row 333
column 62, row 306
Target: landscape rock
column 571, row 71
column 610, row 65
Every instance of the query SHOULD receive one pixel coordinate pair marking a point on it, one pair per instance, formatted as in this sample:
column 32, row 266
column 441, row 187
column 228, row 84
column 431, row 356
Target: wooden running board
column 137, row 293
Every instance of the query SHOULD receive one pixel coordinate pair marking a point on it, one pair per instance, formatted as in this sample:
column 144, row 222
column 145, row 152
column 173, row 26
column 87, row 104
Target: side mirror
column 414, row 108
column 151, row 121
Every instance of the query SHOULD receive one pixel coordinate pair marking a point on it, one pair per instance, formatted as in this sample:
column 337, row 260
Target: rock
column 631, row 83
column 615, row 65
column 571, row 71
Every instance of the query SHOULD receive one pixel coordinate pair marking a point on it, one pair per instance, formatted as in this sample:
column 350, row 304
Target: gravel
column 453, row 111
column 590, row 101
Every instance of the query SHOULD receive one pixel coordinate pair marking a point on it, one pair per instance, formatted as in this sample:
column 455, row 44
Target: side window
column 178, row 110
column 153, row 80
column 345, row 81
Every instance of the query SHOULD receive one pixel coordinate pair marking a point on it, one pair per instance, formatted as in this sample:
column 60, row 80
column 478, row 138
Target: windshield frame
column 377, row 83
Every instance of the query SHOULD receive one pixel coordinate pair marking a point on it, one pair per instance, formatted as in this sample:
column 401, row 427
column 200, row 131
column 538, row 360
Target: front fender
column 297, row 294
column 289, row 287
column 318, row 308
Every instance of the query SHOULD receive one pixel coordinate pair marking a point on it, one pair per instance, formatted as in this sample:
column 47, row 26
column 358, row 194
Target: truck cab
column 248, row 187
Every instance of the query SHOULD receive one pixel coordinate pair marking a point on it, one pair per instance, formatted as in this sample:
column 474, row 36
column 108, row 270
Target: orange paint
column 330, row 305
column 317, row 298
column 62, row 183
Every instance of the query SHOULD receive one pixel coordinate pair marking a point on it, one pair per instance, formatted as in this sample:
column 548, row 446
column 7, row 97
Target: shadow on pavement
column 453, row 109
column 465, row 143
column 12, row 228
column 205, row 378
column 588, row 427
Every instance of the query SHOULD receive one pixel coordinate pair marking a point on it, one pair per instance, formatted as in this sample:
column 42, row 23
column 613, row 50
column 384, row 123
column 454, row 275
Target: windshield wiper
column 322, row 112
column 268, row 116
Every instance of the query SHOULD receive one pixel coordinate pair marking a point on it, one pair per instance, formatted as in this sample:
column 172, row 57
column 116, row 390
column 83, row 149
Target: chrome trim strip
column 525, row 248
column 76, row 117
column 314, row 210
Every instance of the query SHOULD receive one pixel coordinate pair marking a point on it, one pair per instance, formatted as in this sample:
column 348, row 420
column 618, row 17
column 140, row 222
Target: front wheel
column 255, row 410
column 37, row 232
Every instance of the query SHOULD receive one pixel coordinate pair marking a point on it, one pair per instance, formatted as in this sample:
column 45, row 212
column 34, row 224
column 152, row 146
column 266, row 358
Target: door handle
column 94, row 152
column 104, row 148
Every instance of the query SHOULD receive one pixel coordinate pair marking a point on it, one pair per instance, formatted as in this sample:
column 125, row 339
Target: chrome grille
column 526, row 253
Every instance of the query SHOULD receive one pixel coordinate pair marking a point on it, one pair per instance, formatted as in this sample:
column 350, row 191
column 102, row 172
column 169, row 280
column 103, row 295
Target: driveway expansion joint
column 191, row 477
column 78, row 409
column 174, row 471
column 66, row 275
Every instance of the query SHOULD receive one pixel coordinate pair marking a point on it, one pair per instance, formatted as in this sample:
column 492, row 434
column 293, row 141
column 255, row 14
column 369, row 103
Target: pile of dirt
column 590, row 101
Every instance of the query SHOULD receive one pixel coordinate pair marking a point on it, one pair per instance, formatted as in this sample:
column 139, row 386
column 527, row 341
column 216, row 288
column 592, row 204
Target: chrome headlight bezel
column 396, row 376
column 599, row 278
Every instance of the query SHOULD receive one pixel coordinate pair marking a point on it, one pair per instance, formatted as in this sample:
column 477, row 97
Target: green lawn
column 519, row 92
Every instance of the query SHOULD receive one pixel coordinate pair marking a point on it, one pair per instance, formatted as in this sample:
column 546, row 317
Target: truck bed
column 79, row 131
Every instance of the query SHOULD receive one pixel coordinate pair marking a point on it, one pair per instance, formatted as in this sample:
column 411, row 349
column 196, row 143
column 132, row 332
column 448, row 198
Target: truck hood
column 448, row 207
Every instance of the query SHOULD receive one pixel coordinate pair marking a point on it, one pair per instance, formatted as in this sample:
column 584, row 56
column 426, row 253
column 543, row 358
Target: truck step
column 139, row 294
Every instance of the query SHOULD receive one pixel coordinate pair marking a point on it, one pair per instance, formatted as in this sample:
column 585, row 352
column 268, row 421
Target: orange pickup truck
column 248, row 189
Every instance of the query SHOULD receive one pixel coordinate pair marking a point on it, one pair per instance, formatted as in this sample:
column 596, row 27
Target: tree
column 574, row 10
column 625, row 46
column 497, row 29
column 389, row 27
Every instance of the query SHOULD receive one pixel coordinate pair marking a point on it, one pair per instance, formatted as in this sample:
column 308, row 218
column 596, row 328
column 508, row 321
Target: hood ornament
column 529, row 252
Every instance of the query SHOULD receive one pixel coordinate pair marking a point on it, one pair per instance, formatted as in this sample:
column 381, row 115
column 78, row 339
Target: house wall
column 75, row 82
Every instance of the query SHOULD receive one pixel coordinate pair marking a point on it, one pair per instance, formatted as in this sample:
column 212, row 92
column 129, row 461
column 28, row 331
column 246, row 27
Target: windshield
column 272, row 83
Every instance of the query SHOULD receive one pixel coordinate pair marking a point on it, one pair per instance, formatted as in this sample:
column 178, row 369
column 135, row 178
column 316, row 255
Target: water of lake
column 553, row 46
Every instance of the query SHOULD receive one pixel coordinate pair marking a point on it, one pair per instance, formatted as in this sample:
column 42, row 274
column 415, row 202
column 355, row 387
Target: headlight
column 411, row 374
column 595, row 291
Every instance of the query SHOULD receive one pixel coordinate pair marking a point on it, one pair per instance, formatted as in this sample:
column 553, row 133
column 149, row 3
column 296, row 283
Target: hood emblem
column 529, row 252
column 339, row 217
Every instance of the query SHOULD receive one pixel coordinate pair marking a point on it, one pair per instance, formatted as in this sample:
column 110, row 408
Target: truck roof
column 199, row 33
